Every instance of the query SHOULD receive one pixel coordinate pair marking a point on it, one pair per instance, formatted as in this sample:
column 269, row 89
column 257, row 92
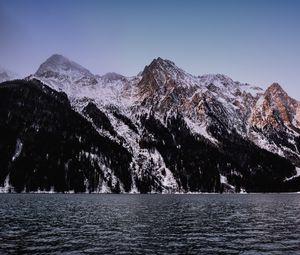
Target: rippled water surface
column 149, row 224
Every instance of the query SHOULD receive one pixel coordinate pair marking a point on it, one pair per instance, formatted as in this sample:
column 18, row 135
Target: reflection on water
column 150, row 224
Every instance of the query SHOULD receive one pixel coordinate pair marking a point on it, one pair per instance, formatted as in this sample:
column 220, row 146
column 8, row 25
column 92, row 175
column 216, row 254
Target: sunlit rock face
column 274, row 123
column 275, row 109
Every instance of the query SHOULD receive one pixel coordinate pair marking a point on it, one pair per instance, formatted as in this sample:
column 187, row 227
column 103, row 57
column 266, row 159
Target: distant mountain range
column 6, row 75
column 65, row 129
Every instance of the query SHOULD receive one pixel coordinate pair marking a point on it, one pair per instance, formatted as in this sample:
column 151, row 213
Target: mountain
column 163, row 130
column 6, row 75
column 45, row 145
column 276, row 110
column 275, row 123
column 63, row 74
column 58, row 66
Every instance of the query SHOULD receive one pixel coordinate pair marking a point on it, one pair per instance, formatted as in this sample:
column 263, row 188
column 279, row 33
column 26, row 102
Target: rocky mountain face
column 164, row 130
column 276, row 110
column 274, row 123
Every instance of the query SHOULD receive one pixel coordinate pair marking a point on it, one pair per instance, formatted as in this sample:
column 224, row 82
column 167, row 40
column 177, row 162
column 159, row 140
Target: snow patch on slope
column 168, row 180
column 262, row 142
column 18, row 150
column 6, row 186
column 294, row 176
column 201, row 130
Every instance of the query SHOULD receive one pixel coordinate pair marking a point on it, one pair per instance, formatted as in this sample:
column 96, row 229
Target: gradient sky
column 255, row 41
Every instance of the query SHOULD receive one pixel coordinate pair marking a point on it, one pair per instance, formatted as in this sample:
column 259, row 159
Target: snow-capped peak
column 60, row 64
column 164, row 72
column 275, row 89
column 275, row 109
column 163, row 65
column 223, row 84
column 65, row 75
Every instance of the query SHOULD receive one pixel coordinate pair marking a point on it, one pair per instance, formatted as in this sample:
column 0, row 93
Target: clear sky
column 254, row 41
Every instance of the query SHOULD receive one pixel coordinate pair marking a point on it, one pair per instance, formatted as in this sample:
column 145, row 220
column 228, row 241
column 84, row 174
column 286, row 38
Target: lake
column 150, row 224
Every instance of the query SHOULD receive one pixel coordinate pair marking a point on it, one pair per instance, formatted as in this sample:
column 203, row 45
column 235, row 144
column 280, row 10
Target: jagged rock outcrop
column 276, row 110
column 274, row 123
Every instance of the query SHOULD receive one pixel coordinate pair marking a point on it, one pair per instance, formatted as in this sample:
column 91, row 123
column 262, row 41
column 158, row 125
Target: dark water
column 149, row 224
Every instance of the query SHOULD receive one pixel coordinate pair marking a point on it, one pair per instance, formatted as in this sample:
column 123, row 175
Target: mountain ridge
column 167, row 89
column 184, row 133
